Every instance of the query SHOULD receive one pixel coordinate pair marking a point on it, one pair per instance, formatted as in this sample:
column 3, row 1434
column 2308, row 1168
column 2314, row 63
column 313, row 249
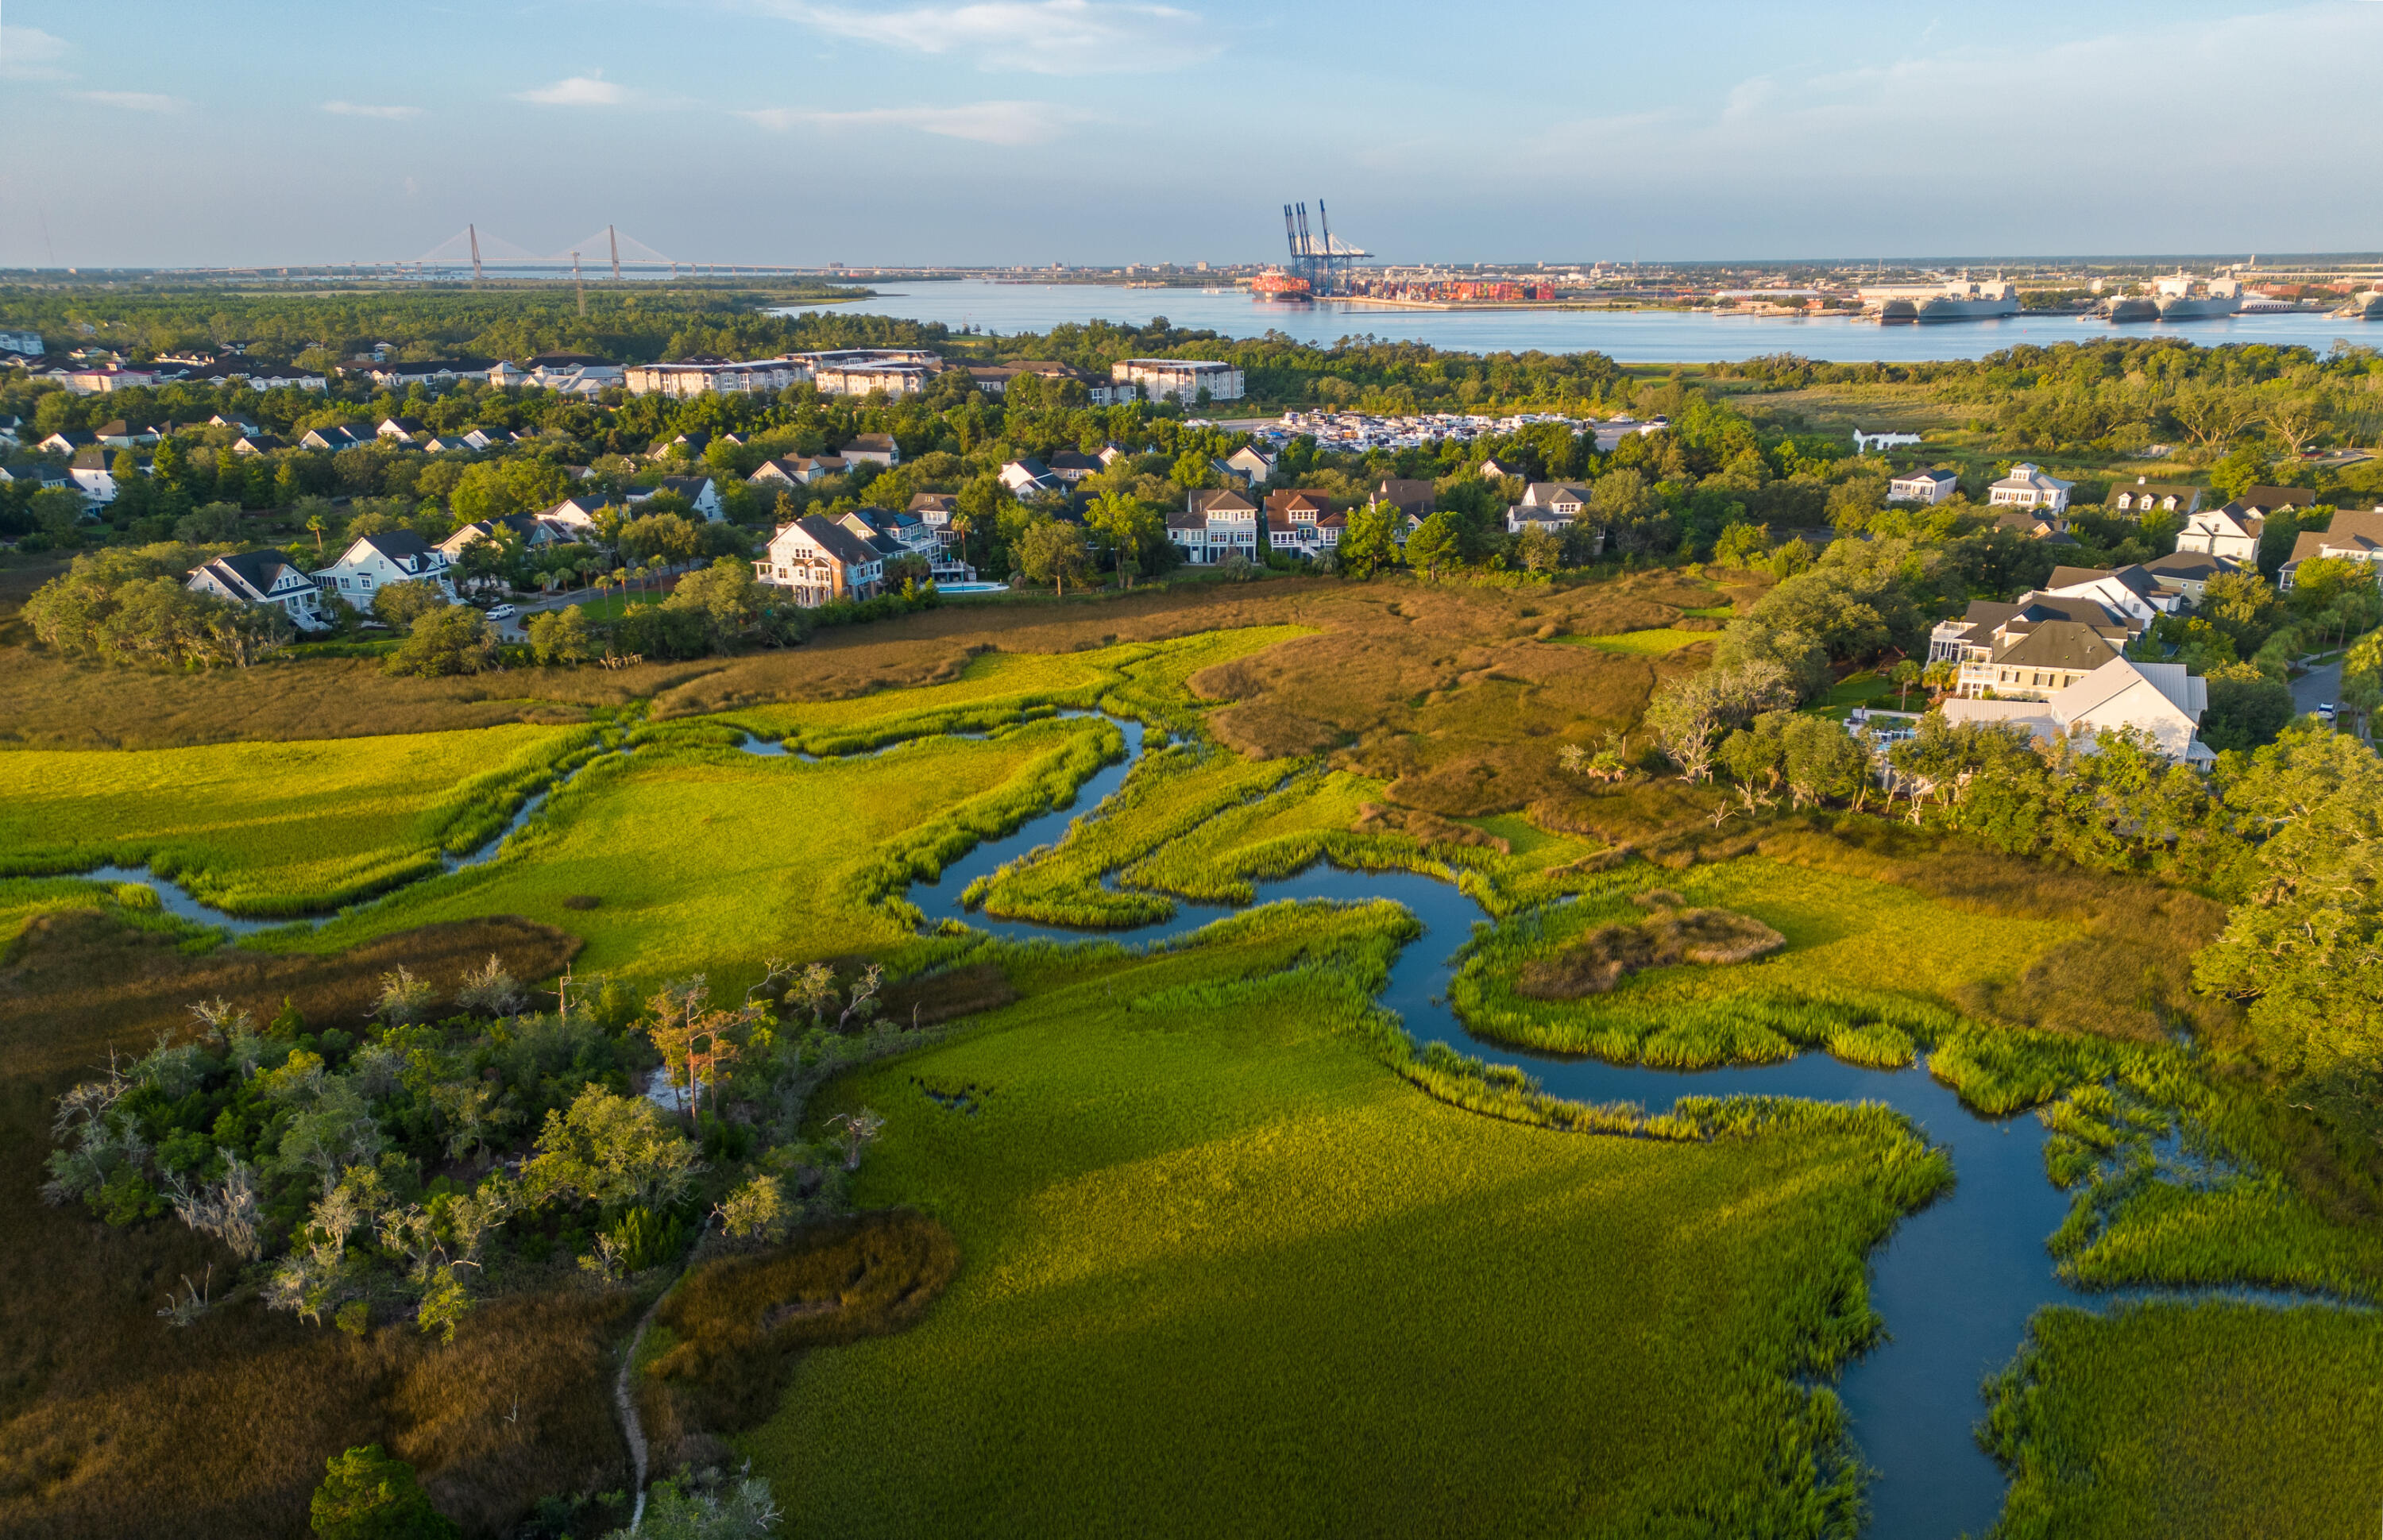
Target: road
column 2317, row 687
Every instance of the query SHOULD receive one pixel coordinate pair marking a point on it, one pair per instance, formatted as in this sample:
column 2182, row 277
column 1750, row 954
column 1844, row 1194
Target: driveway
column 2316, row 687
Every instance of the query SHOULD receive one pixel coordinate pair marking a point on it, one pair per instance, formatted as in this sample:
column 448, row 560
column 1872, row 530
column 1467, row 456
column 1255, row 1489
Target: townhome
column 2147, row 495
column 2162, row 700
column 2027, row 486
column 1178, row 379
column 262, row 577
column 1214, row 525
column 2229, row 533
column 1301, row 522
column 1072, row 466
column 2354, row 537
column 372, row 562
column 699, row 492
column 816, row 560
column 704, row 376
column 581, row 514
column 894, row 377
column 402, row 430
column 1928, row 487
column 339, row 436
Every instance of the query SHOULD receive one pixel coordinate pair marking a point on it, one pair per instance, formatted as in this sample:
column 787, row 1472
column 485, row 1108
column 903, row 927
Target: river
column 1626, row 336
column 1954, row 1282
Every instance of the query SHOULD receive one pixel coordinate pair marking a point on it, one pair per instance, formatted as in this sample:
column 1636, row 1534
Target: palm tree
column 314, row 522
column 621, row 577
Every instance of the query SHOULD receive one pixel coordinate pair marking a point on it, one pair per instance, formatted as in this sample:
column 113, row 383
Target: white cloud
column 359, row 110
column 1042, row 37
column 591, row 89
column 30, row 53
column 1005, row 123
column 129, row 101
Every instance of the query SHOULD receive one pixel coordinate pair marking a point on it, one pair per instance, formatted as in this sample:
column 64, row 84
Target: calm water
column 1630, row 336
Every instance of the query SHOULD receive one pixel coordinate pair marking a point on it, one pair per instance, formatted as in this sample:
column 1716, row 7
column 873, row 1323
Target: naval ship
column 1962, row 300
column 2178, row 301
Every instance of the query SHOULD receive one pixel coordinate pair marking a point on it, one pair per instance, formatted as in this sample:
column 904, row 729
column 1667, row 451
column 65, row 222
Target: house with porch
column 816, row 560
column 262, row 577
column 1214, row 525
column 372, row 562
column 2027, row 487
column 2162, row 700
column 1301, row 522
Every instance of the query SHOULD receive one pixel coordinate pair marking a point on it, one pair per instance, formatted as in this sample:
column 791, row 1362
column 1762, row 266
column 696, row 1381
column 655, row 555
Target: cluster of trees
column 303, row 1151
column 131, row 606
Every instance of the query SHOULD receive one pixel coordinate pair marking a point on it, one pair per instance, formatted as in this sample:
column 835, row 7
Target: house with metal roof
column 2163, row 701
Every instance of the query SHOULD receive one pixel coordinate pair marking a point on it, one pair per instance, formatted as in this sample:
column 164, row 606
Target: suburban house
column 334, row 438
column 783, row 470
column 2129, row 591
column 2035, row 527
column 446, row 443
column 699, row 491
column 2047, row 657
column 2187, row 572
column 1302, row 523
column 120, row 435
column 1498, row 470
column 691, row 445
column 404, row 430
column 262, row 577
column 1074, row 465
column 2027, row 486
column 1415, row 498
column 259, row 443
column 2147, row 495
column 1550, row 505
column 1923, row 487
column 1989, row 626
column 372, row 562
column 1178, row 379
column 580, row 514
column 94, row 475
column 1029, row 478
column 1249, row 463
column 1214, row 525
column 936, row 510
column 909, row 533
column 531, row 530
column 2265, row 502
column 821, row 561
column 67, row 443
column 877, row 447
column 2160, row 699
column 2354, row 537
column 2230, row 533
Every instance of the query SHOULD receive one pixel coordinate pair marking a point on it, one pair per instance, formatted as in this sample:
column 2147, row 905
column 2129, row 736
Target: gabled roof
column 2270, row 498
column 934, row 503
column 1028, row 465
column 1298, row 498
column 2353, row 530
column 2058, row 644
column 1221, row 503
column 874, row 442
column 398, row 544
column 257, row 571
column 1404, row 493
column 1544, row 494
column 1936, row 477
column 1074, row 460
column 689, row 488
column 836, row 540
column 2186, row 566
column 2186, row 692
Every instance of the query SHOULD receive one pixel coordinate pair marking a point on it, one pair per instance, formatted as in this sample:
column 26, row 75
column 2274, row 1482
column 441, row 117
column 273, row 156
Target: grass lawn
column 707, row 858
column 1225, row 1275
column 2190, row 1421
column 269, row 828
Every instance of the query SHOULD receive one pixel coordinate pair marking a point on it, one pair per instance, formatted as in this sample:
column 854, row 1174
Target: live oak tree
column 1053, row 551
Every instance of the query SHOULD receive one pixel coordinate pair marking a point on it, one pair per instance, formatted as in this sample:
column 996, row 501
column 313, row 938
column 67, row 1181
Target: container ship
column 1282, row 288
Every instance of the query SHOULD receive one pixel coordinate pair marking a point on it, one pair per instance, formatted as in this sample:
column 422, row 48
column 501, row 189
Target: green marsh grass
column 705, row 858
column 277, row 829
column 1656, row 642
column 2191, row 1422
column 1224, row 1276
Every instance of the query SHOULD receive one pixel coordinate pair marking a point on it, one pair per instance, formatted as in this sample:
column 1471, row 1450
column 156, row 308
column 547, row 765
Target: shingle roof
column 837, row 541
column 2276, row 496
column 1222, row 502
column 2186, row 566
column 2058, row 644
column 258, row 570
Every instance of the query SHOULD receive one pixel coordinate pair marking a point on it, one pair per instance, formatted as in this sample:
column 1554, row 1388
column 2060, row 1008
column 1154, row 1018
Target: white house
column 1302, row 523
column 1553, row 506
column 1178, row 379
column 1029, row 478
column 372, row 562
column 1251, row 463
column 2160, row 699
column 2229, row 533
column 2127, row 591
column 580, row 514
column 1215, row 525
column 2354, row 537
column 1923, row 487
column 820, row 561
column 2027, row 486
column 336, row 438
column 94, row 475
column 699, row 492
column 402, row 430
column 262, row 577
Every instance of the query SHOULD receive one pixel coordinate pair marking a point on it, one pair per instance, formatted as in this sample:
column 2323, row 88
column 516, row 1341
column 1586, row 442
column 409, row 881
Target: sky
column 141, row 132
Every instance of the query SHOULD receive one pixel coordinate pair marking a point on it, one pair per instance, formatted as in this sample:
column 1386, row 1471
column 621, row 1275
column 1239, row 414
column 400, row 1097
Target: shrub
column 400, row 604
column 366, row 1494
column 447, row 641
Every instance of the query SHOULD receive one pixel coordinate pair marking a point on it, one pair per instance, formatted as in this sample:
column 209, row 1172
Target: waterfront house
column 1930, row 487
column 1301, row 522
column 818, row 560
column 372, row 562
column 1214, row 525
column 2027, row 486
column 2161, row 700
column 262, row 577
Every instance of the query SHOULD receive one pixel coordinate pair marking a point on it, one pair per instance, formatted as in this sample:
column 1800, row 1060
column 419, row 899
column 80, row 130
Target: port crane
column 1324, row 261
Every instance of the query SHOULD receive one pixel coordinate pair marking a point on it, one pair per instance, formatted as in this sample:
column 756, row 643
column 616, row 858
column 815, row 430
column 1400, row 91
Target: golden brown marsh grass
column 113, row 1422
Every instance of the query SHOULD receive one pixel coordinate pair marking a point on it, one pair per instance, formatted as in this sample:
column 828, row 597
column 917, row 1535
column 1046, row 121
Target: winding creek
column 1955, row 1282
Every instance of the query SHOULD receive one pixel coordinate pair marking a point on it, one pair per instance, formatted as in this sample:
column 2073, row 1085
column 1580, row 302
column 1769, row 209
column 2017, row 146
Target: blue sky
column 140, row 131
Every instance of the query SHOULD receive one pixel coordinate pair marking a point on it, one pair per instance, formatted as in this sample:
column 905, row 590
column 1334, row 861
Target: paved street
column 2316, row 687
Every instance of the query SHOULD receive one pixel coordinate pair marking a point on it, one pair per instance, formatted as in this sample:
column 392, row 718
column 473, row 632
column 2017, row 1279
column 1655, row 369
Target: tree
column 2211, row 415
column 1370, row 543
column 661, row 538
column 1133, row 530
column 369, row 1494
column 560, row 637
column 449, row 641
column 1689, row 714
column 2298, row 417
column 726, row 594
column 1539, row 551
column 209, row 523
column 1906, row 673
column 1741, row 544
column 1434, row 544
column 2245, row 713
column 400, row 604
column 1053, row 552
column 610, row 1151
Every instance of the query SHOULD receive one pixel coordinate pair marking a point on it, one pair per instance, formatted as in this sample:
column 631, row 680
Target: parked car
column 2326, row 709
column 502, row 613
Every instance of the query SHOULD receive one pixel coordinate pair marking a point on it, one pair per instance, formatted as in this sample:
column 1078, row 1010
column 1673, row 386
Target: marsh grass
column 2200, row 1422
column 113, row 1422
column 279, row 828
column 1188, row 1170
column 737, row 1324
column 1596, row 962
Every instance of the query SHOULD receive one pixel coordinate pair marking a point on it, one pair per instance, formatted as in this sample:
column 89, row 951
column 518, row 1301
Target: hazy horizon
column 1095, row 132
